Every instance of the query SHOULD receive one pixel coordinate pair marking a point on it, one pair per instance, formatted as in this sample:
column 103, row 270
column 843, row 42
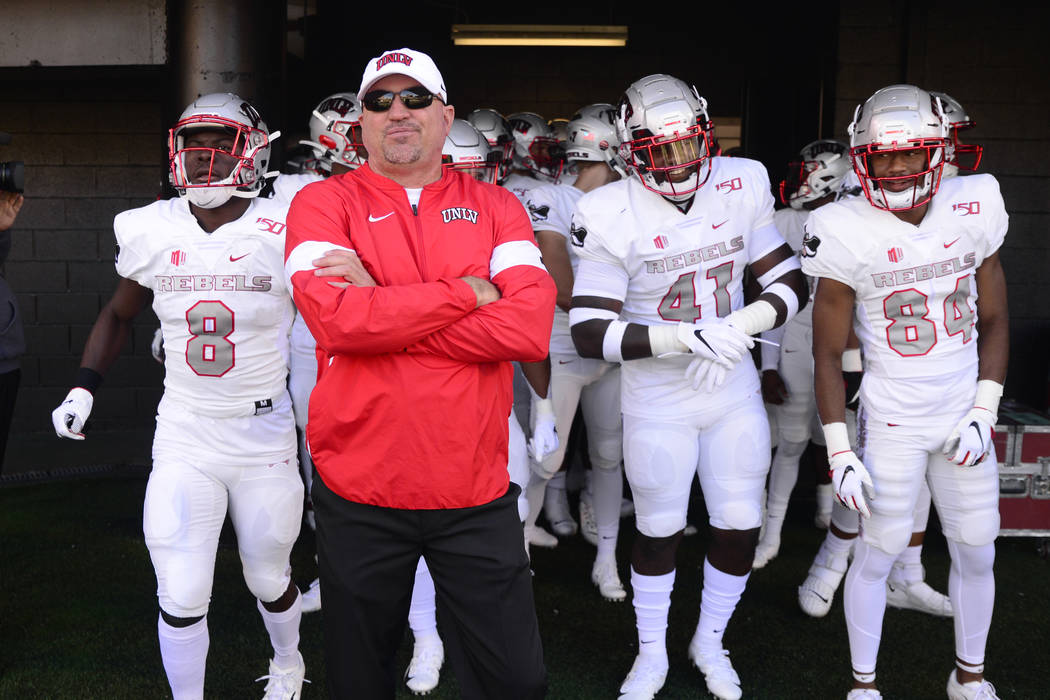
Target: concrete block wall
column 93, row 142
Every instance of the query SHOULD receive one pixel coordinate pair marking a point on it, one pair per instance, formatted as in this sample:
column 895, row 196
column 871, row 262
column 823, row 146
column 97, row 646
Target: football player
column 659, row 288
column 538, row 157
column 787, row 370
column 496, row 131
column 213, row 259
column 593, row 149
column 914, row 267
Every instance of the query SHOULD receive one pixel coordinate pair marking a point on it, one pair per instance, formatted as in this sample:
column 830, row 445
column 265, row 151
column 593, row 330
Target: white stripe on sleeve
column 513, row 253
column 303, row 255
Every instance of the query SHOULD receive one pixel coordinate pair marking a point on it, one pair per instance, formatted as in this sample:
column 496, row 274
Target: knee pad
column 891, row 536
column 184, row 587
column 972, row 560
column 875, row 563
column 978, row 528
column 265, row 581
column 737, row 515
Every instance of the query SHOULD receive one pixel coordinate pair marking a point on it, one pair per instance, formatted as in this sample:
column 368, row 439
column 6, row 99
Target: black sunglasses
column 417, row 97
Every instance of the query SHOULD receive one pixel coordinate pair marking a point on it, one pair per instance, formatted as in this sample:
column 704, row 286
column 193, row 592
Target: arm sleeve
column 360, row 320
column 518, row 325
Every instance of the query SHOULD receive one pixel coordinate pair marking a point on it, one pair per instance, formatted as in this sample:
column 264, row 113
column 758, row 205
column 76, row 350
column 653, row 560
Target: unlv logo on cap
column 395, row 57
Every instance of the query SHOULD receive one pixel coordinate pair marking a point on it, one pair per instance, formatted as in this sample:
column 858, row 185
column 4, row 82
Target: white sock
column 864, row 599
column 652, row 601
column 718, row 599
column 606, row 495
column 908, row 567
column 184, row 652
column 534, row 493
column 837, row 545
column 283, row 628
column 971, row 587
column 825, row 497
column 783, row 473
column 422, row 612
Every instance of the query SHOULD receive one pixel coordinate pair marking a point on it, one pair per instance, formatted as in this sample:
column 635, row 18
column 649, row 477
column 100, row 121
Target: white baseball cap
column 414, row 64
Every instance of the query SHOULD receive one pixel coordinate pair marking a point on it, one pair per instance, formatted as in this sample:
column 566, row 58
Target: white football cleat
column 645, row 678
column 864, row 694
column 588, row 525
column 605, row 576
column 537, row 536
column 974, row 690
column 722, row 681
column 767, row 550
column 312, row 597
column 284, row 683
column 424, row 670
column 556, row 508
column 918, row 596
column 817, row 592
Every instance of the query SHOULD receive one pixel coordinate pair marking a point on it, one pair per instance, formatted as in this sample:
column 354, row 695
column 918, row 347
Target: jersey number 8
column 209, row 352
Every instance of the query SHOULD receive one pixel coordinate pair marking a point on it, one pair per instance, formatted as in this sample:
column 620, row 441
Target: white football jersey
column 519, row 185
column 667, row 266
column 222, row 298
column 287, row 185
column 915, row 310
column 790, row 223
column 550, row 209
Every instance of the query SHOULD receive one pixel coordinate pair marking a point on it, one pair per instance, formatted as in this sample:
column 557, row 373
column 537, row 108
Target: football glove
column 849, row 476
column 70, row 416
column 544, row 438
column 971, row 441
column 156, row 348
column 706, row 373
column 717, row 341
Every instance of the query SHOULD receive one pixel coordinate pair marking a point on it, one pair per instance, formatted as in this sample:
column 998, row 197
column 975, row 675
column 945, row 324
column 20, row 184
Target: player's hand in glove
column 544, row 438
column 156, row 348
column 706, row 374
column 849, row 476
column 70, row 416
column 971, row 441
column 718, row 341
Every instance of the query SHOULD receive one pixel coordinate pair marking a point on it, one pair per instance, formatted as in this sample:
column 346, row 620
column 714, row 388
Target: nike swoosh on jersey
column 233, row 259
column 374, row 219
column 721, row 224
column 949, row 245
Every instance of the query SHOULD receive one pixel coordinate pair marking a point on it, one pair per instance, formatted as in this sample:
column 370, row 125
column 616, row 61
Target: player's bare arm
column 113, row 325
column 832, row 323
column 993, row 320
column 555, row 254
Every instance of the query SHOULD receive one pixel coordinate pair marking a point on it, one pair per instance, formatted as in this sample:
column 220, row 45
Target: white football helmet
column 227, row 113
column 665, row 135
column 535, row 147
column 899, row 118
column 496, row 130
column 335, row 132
column 594, row 139
column 961, row 156
column 467, row 150
column 820, row 170
column 601, row 110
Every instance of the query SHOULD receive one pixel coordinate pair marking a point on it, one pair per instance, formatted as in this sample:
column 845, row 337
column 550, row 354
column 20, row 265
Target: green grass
column 78, row 614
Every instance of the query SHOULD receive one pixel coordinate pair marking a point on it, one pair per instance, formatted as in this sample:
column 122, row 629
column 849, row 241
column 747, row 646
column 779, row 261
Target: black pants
column 8, row 393
column 367, row 557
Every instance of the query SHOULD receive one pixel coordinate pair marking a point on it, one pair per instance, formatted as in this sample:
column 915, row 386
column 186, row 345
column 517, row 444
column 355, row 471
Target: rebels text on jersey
column 222, row 299
column 667, row 267
column 550, row 208
column 915, row 286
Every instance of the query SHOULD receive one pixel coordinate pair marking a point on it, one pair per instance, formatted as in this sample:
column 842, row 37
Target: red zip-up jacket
column 411, row 407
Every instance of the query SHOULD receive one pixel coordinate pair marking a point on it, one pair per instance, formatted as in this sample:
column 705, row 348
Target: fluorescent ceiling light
column 538, row 35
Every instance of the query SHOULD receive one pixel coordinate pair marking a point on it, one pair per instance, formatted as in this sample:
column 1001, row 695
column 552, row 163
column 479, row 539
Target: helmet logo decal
column 252, row 115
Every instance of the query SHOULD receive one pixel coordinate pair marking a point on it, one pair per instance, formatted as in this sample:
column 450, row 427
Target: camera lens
column 13, row 176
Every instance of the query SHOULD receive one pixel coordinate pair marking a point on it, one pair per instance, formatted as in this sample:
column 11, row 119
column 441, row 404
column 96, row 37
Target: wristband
column 989, row 392
column 612, row 343
column 851, row 361
column 836, row 437
column 88, row 379
column 759, row 315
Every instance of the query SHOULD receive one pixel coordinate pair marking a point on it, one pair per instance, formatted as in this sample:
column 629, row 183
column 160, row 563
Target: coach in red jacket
column 421, row 285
